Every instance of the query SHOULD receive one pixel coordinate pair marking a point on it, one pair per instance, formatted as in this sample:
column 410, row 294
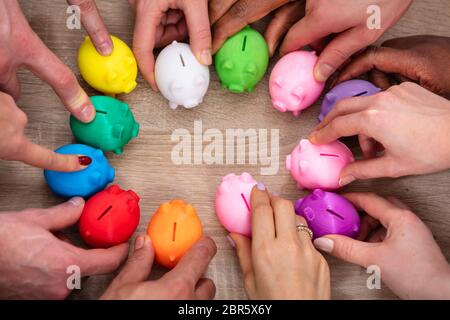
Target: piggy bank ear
column 114, row 189
column 224, row 187
column 98, row 155
column 95, row 178
column 330, row 98
column 190, row 211
column 228, row 65
column 278, row 81
column 175, row 86
column 251, row 69
column 318, row 194
column 111, row 76
column 245, row 177
column 299, row 93
column 135, row 131
column 117, row 131
column 199, row 80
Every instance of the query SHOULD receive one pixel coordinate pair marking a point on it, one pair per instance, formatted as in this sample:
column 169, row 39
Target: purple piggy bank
column 347, row 89
column 328, row 213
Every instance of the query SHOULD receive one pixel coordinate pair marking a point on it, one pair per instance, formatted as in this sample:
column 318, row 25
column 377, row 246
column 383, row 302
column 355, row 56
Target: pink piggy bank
column 233, row 203
column 318, row 166
column 292, row 84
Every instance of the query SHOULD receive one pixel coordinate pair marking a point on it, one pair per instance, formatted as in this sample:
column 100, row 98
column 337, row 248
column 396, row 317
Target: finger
column 374, row 205
column 40, row 157
column 305, row 238
column 197, row 20
column 347, row 249
column 101, row 261
column 47, row 66
column 263, row 227
column 239, row 15
column 284, row 18
column 139, row 264
column 144, row 41
column 93, row 23
column 58, row 217
column 397, row 202
column 284, row 214
column 177, row 32
column 205, row 289
column 194, row 263
column 12, row 86
column 378, row 236
column 380, row 79
column 368, row 169
column 368, row 225
column 217, row 8
column 338, row 51
column 244, row 253
column 368, row 146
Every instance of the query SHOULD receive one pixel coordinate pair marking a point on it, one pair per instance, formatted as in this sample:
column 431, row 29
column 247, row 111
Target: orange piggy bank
column 174, row 229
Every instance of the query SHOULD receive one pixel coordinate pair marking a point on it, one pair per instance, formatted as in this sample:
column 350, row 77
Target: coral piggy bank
column 233, row 203
column 242, row 61
column 347, row 89
column 292, row 84
column 113, row 74
column 110, row 217
column 113, row 127
column 180, row 77
column 328, row 213
column 82, row 183
column 174, row 229
column 318, row 166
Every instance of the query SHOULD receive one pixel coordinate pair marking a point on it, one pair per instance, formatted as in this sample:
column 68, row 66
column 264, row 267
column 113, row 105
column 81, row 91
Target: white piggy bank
column 180, row 77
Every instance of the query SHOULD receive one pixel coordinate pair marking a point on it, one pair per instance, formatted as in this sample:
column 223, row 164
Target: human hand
column 348, row 29
column 159, row 22
column 411, row 263
column 419, row 59
column 93, row 23
column 14, row 145
column 409, row 123
column 184, row 282
column 21, row 47
column 33, row 262
column 279, row 262
column 230, row 16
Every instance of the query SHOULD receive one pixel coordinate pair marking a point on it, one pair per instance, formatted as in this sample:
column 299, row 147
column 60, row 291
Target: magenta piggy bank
column 292, row 84
column 347, row 89
column 328, row 213
column 318, row 166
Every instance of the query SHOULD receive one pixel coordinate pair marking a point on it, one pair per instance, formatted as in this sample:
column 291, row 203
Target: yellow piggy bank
column 113, row 74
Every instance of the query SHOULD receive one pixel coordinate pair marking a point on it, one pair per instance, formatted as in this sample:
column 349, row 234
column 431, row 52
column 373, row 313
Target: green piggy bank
column 242, row 61
column 112, row 128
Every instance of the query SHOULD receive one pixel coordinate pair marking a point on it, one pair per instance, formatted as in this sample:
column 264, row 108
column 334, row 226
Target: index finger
column 263, row 224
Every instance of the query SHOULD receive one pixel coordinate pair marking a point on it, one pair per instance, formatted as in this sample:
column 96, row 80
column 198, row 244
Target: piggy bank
column 242, row 61
column 109, row 217
column 233, row 203
column 83, row 183
column 174, row 229
column 318, row 166
column 328, row 213
column 113, row 74
column 180, row 77
column 292, row 84
column 113, row 127
column 347, row 89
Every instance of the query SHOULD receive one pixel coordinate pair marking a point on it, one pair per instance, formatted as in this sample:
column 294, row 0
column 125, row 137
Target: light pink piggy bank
column 233, row 203
column 292, row 84
column 318, row 166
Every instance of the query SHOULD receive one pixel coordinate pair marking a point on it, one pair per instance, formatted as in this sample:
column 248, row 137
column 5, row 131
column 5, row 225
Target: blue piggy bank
column 82, row 183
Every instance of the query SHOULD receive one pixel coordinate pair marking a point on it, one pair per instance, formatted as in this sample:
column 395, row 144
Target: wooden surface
column 146, row 165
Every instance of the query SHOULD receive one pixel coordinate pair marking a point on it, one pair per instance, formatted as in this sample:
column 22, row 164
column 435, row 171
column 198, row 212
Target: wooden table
column 147, row 168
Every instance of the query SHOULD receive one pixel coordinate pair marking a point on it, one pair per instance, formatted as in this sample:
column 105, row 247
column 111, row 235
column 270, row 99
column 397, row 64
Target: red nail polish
column 84, row 161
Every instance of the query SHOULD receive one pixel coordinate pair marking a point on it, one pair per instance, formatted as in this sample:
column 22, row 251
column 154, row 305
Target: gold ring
column 304, row 228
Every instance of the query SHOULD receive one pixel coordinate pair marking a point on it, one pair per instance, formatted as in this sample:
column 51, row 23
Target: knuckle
column 239, row 9
column 347, row 250
column 181, row 288
column 263, row 209
column 203, row 33
column 285, row 205
column 65, row 80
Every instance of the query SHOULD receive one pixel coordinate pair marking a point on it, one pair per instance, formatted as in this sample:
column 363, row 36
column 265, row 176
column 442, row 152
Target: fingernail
column 205, row 57
column 84, row 160
column 87, row 112
column 139, row 242
column 346, row 180
column 324, row 71
column 324, row 244
column 261, row 186
column 76, row 201
column 231, row 241
column 105, row 48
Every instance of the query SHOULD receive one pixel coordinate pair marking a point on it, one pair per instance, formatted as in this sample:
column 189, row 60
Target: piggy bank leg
column 173, row 105
column 118, row 151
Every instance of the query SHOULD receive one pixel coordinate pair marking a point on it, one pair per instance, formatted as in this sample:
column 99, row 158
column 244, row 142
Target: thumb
column 139, row 264
column 367, row 169
column 243, row 247
column 346, row 249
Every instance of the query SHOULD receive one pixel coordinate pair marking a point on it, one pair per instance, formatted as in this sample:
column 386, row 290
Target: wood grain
column 146, row 165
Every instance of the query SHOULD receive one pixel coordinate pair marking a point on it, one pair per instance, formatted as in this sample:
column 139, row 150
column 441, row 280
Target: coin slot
column 329, row 155
column 335, row 214
column 174, row 231
column 360, row 94
column 182, row 60
column 104, row 213
column 244, row 44
column 102, row 112
column 245, row 201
